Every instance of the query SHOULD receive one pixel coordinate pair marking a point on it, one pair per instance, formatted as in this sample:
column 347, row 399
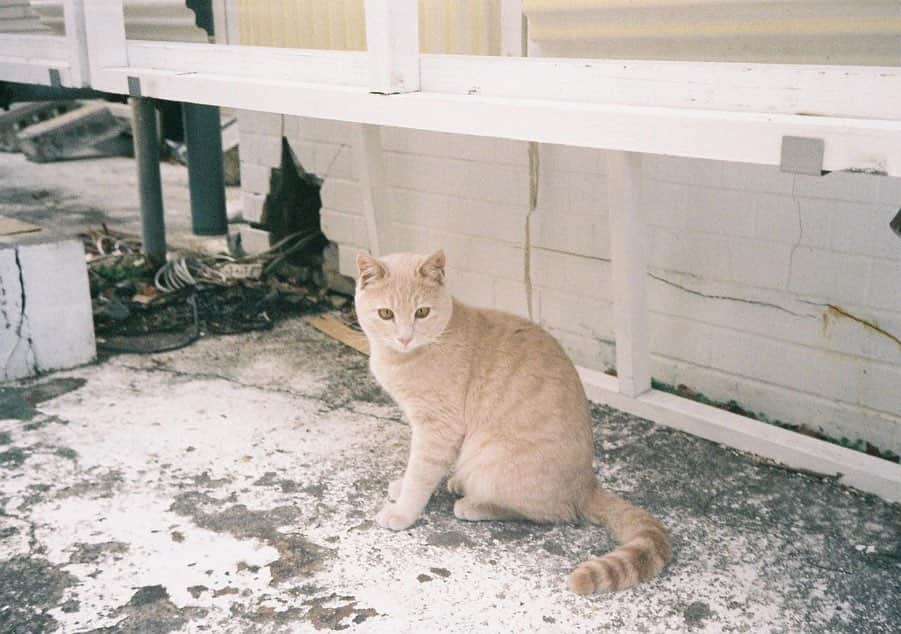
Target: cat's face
column 401, row 299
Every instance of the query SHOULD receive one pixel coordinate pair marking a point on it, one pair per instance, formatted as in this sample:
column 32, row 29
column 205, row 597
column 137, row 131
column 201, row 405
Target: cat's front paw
column 394, row 489
column 393, row 517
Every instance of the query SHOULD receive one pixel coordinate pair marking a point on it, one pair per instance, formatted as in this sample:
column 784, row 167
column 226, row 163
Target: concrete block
column 427, row 173
column 511, row 297
column 684, row 170
column 816, row 222
column 575, row 313
column 756, row 178
column 412, row 207
column 777, row 218
column 471, row 288
column 863, row 229
column 833, row 277
column 344, row 228
column 261, row 149
column 587, row 193
column 252, row 206
column 720, row 211
column 885, row 285
column 759, row 263
column 571, row 159
column 511, row 152
column 682, row 339
column 890, row 191
column 825, row 374
column 570, row 233
column 333, row 161
column 879, row 385
column 491, row 182
column 838, row 186
column 665, row 204
column 91, row 130
column 264, row 123
column 347, row 259
column 573, row 274
column 328, row 130
column 23, row 115
column 252, row 240
column 553, row 190
column 45, row 305
column 342, row 195
column 488, row 220
column 702, row 254
column 255, row 179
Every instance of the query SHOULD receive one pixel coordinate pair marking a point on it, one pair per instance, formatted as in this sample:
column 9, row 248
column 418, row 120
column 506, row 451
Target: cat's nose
column 405, row 340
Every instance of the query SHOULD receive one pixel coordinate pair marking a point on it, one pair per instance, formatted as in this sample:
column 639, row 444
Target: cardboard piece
column 11, row 227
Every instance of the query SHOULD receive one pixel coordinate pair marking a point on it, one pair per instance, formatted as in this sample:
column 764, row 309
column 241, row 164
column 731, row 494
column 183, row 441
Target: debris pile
column 141, row 309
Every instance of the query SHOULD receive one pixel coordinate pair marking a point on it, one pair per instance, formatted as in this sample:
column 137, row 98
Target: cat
column 494, row 402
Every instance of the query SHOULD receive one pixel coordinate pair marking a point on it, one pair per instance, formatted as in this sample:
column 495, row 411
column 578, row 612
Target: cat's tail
column 643, row 552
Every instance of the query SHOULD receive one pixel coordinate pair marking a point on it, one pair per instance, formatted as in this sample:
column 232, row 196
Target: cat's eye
column 386, row 313
column 423, row 312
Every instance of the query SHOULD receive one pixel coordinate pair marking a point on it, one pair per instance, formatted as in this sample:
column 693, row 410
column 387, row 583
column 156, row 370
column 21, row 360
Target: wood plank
column 749, row 137
column 628, row 248
column 14, row 226
column 336, row 329
column 852, row 468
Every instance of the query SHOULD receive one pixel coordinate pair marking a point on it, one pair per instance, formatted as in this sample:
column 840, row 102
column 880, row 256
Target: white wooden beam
column 392, row 41
column 371, row 176
column 628, row 247
column 852, row 468
column 748, row 137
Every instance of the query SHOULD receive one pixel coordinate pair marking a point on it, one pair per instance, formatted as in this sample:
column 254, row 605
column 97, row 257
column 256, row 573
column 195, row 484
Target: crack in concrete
column 730, row 298
column 214, row 376
column 23, row 317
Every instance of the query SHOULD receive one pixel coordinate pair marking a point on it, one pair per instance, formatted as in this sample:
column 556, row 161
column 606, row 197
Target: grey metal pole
column 203, row 140
column 147, row 155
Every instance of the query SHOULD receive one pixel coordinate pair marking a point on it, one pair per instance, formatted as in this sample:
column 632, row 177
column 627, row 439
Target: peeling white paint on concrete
column 283, row 434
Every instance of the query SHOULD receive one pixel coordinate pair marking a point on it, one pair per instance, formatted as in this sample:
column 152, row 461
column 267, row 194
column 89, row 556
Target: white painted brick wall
column 745, row 262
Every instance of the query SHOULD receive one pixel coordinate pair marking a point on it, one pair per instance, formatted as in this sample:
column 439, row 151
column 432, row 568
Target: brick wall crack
column 729, row 298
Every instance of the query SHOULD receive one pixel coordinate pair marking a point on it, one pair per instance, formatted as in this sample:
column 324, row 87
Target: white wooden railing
column 812, row 119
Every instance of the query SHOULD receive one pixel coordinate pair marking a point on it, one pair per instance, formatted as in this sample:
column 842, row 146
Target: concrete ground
column 230, row 487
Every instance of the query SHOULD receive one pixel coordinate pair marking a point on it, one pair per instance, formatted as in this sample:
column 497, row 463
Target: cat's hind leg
column 466, row 509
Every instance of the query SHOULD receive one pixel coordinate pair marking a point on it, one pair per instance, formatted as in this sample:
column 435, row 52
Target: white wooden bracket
column 629, row 254
column 802, row 155
column 392, row 39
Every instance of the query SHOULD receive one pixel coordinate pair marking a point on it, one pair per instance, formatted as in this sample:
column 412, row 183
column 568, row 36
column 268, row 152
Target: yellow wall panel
column 469, row 27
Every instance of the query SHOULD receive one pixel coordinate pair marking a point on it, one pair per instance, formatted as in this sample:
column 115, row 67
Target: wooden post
column 513, row 29
column 73, row 16
column 368, row 162
column 104, row 22
column 392, row 39
column 629, row 253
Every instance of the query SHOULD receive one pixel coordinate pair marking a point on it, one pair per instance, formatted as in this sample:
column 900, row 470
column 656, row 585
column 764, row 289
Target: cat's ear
column 433, row 267
column 370, row 269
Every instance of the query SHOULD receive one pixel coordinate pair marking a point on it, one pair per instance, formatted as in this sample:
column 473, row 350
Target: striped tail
column 643, row 552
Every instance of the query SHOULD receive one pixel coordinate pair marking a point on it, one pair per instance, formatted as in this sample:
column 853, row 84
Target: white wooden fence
column 800, row 117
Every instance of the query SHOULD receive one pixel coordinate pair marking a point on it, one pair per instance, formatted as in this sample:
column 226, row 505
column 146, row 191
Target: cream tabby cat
column 493, row 401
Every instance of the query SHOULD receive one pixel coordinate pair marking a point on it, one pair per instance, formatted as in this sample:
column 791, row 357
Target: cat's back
column 508, row 350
